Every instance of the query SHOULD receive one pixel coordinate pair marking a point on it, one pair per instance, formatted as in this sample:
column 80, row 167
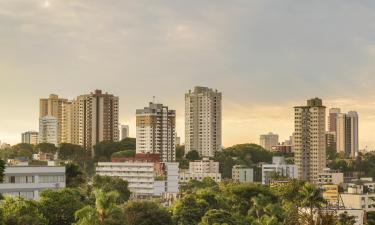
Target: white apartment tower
column 156, row 125
column 309, row 139
column 49, row 130
column 30, row 137
column 124, row 131
column 267, row 141
column 203, row 113
column 347, row 134
column 94, row 119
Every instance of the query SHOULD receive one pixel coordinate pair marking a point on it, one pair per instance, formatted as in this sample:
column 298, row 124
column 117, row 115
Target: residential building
column 241, row 173
column 356, row 199
column 95, row 119
column 146, row 175
column 332, row 119
column 284, row 147
column 29, row 181
column 268, row 141
column 54, row 106
column 156, row 126
column 203, row 121
column 178, row 140
column 124, row 131
column 200, row 169
column 347, row 134
column 329, row 176
column 49, row 130
column 30, row 137
column 310, row 139
column 331, row 140
column 279, row 167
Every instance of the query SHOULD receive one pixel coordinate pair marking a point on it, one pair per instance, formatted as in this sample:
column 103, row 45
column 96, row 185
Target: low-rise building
column 200, row 169
column 29, row 181
column 278, row 168
column 242, row 174
column 329, row 176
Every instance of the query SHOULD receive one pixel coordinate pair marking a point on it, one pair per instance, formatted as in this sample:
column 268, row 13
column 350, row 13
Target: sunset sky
column 265, row 56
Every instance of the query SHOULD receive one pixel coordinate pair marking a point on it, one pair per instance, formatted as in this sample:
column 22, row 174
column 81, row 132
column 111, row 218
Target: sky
column 265, row 56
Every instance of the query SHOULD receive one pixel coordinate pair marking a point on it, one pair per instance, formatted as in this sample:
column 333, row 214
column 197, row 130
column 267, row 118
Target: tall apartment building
column 203, row 118
column 54, row 106
column 49, row 130
column 309, row 139
column 200, row 169
column 347, row 134
column 279, row 167
column 124, row 131
column 156, row 125
column 94, row 119
column 30, row 137
column 332, row 119
column 267, row 141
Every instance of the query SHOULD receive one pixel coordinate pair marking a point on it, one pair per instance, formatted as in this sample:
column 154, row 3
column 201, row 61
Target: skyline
column 263, row 59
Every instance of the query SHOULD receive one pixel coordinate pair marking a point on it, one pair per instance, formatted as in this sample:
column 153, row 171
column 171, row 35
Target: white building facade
column 29, row 181
column 279, row 167
column 49, row 130
column 203, row 121
column 268, row 141
column 30, row 137
column 242, row 174
column 200, row 169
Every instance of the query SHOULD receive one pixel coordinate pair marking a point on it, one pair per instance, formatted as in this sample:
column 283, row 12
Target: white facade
column 242, row 174
column 30, row 137
column 141, row 176
column 280, row 167
column 330, row 177
column 267, row 141
column 29, row 181
column 49, row 130
column 200, row 169
column 156, row 126
column 310, row 139
column 359, row 201
column 203, row 121
column 124, row 131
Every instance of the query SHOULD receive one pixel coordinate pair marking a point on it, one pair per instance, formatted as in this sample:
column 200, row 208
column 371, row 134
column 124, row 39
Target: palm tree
column 104, row 212
column 346, row 219
column 312, row 199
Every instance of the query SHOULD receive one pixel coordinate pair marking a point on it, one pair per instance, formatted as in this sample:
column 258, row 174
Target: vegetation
column 104, row 150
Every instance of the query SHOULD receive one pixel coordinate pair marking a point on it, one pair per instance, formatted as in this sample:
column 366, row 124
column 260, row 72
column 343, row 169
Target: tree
column 218, row 216
column 19, row 211
column 180, row 152
column 192, row 155
column 346, row 219
column 72, row 152
column 311, row 198
column 125, row 153
column 105, row 149
column 146, row 213
column 46, row 148
column 74, row 176
column 59, row 206
column 108, row 184
column 189, row 210
column 2, row 170
column 105, row 211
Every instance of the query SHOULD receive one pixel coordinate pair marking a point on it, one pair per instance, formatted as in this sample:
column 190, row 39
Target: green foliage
column 19, row 150
column 244, row 154
column 18, row 211
column 59, row 206
column 146, row 213
column 189, row 210
column 108, row 184
column 2, row 169
column 105, row 149
column 346, row 219
column 74, row 176
column 192, row 155
column 72, row 152
column 218, row 216
column 125, row 153
column 180, row 152
column 46, row 148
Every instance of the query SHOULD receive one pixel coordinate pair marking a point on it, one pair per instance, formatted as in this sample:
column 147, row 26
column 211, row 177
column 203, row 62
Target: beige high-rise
column 309, row 139
column 203, row 121
column 55, row 106
column 347, row 134
column 94, row 119
column 156, row 127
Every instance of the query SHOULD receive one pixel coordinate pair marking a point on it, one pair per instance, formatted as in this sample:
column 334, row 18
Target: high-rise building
column 49, row 130
column 156, row 126
column 66, row 126
column 309, row 139
column 332, row 118
column 30, row 137
column 124, row 131
column 94, row 119
column 54, row 106
column 267, row 141
column 347, row 134
column 330, row 140
column 203, row 115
